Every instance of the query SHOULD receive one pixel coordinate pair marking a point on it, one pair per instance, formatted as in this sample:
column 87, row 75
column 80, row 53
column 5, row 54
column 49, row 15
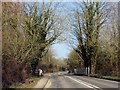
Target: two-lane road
column 64, row 80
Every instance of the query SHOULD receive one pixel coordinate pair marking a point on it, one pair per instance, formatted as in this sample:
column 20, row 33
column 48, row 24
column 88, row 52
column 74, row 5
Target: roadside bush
column 12, row 72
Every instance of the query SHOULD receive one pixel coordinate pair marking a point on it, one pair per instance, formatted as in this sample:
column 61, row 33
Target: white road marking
column 85, row 83
column 107, row 80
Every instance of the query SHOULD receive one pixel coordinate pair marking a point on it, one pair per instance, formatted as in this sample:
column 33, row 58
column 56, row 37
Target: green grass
column 112, row 77
column 26, row 85
column 116, row 78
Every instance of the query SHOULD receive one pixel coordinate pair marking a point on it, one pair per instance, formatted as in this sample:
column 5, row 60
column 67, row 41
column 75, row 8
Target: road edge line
column 85, row 83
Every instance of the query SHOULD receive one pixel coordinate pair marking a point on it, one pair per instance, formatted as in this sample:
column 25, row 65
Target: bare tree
column 43, row 26
column 88, row 21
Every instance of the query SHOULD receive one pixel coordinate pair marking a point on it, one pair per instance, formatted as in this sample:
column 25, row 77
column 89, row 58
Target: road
column 64, row 80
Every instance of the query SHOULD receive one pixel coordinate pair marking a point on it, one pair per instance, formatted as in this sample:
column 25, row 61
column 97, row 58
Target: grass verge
column 114, row 78
column 31, row 84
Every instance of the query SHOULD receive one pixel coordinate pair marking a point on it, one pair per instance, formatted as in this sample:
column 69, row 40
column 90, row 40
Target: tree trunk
column 93, row 67
column 119, row 38
column 34, row 64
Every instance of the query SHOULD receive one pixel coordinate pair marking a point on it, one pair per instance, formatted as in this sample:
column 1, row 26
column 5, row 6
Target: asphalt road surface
column 63, row 80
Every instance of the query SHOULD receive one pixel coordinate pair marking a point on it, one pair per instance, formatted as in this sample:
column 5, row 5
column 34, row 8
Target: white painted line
column 100, row 79
column 106, row 80
column 79, row 82
column 85, row 83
